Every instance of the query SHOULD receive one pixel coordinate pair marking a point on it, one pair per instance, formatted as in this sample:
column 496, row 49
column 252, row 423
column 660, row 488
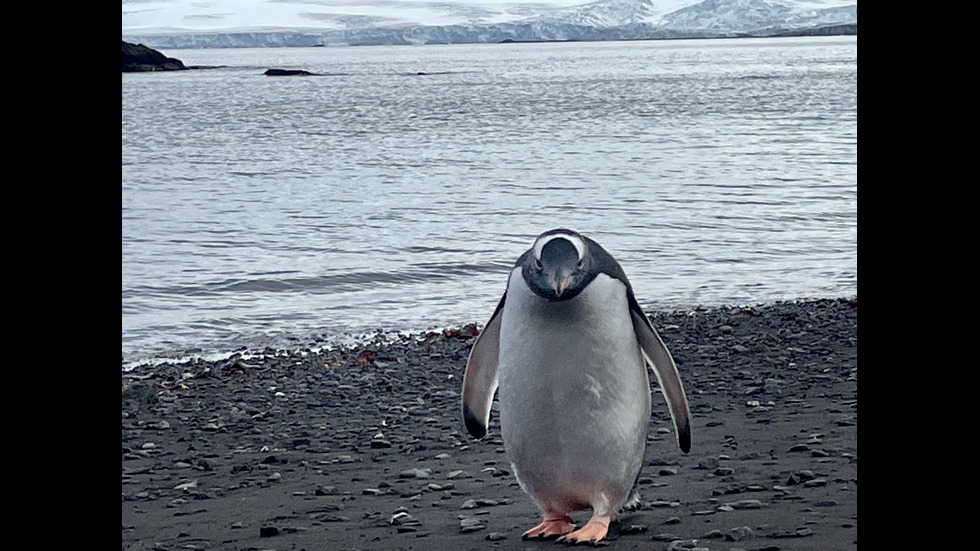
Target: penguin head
column 558, row 265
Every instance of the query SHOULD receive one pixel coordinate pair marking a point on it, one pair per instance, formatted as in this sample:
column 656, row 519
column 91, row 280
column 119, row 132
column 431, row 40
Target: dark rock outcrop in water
column 139, row 58
column 287, row 73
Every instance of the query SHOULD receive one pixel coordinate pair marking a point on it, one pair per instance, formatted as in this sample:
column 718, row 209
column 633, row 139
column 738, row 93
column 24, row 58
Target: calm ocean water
column 261, row 211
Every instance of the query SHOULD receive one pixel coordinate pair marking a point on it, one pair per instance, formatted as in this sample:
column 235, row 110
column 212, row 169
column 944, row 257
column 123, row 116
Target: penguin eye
column 537, row 264
column 581, row 264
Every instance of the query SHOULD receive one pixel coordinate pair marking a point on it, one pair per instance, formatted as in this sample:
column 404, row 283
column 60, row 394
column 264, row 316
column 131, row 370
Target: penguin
column 567, row 349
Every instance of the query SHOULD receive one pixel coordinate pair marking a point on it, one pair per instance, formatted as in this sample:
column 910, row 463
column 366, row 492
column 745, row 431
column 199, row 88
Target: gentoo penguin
column 568, row 347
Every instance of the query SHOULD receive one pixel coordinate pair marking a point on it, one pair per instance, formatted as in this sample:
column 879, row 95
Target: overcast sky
column 326, row 14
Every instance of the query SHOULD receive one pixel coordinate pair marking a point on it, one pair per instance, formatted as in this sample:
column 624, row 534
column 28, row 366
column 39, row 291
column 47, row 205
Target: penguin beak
column 559, row 284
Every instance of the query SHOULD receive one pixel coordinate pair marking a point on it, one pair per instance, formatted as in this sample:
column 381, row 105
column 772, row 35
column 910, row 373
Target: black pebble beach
column 364, row 448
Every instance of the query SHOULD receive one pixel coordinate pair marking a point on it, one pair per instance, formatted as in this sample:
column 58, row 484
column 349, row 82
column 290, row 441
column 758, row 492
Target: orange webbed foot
column 553, row 525
column 593, row 531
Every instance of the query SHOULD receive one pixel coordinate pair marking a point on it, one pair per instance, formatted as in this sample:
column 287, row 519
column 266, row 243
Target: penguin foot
column 553, row 525
column 593, row 531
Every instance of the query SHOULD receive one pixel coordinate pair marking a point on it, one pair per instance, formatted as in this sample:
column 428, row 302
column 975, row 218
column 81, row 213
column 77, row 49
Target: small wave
column 330, row 283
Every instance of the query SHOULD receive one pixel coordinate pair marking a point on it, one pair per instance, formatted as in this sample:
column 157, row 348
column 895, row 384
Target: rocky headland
column 139, row 58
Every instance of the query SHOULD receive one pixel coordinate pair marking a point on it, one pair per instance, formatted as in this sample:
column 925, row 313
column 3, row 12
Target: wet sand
column 364, row 448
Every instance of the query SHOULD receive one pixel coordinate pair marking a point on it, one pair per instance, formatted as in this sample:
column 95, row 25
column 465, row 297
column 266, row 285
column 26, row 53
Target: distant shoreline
column 397, row 37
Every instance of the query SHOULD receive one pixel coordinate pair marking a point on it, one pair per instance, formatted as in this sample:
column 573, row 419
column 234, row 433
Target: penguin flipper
column 480, row 378
column 665, row 369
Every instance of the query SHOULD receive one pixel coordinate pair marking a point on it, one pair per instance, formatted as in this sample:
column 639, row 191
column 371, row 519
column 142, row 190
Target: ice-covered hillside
column 229, row 23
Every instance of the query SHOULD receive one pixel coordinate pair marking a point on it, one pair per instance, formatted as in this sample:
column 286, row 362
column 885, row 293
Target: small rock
column 800, row 476
column 186, row 486
column 714, row 535
column 740, row 533
column 268, row 531
column 746, row 504
column 685, row 545
column 468, row 525
column 799, row 533
column 708, row 464
column 403, row 519
column 496, row 536
column 415, row 473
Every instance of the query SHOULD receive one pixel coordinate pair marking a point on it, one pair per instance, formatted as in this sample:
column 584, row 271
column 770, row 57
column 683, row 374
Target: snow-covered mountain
column 253, row 23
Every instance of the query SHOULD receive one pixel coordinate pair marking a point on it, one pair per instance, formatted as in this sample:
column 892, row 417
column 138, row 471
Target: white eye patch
column 575, row 240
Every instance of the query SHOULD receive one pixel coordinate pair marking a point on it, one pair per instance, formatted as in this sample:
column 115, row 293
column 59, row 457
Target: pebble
column 468, row 525
column 708, row 463
column 800, row 476
column 418, row 410
column 685, row 545
column 403, row 519
column 415, row 473
column 798, row 533
column 740, row 533
column 186, row 486
column 746, row 504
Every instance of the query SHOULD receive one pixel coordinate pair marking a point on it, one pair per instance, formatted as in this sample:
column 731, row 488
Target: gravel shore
column 364, row 449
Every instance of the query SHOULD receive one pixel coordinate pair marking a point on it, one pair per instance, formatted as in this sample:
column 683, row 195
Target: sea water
column 395, row 190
